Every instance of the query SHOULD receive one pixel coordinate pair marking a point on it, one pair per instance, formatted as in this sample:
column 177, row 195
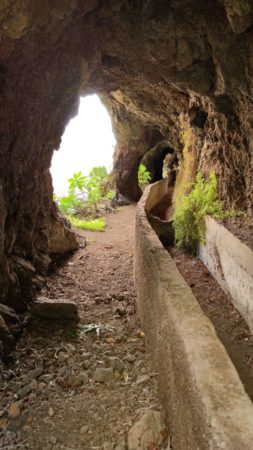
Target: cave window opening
column 88, row 141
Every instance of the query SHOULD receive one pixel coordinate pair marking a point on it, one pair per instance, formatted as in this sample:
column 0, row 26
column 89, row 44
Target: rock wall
column 200, row 390
column 157, row 64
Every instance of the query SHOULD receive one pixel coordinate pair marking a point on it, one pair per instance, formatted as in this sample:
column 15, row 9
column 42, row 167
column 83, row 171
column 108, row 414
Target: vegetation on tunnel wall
column 191, row 209
column 144, row 176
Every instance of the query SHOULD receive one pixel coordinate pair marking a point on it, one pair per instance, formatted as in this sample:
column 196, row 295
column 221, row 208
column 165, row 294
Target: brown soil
column 230, row 326
column 96, row 415
column 241, row 227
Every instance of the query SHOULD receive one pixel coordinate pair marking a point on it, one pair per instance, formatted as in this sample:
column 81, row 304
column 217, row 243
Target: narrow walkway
column 88, row 389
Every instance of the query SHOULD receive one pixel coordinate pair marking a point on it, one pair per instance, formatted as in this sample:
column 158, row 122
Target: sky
column 88, row 141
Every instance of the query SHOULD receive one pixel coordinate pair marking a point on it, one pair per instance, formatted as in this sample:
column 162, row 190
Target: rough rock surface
column 10, row 327
column 158, row 65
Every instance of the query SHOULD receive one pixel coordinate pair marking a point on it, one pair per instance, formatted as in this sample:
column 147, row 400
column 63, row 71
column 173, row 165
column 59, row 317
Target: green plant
column 86, row 191
column 69, row 204
column 99, row 172
column 143, row 175
column 188, row 219
column 91, row 224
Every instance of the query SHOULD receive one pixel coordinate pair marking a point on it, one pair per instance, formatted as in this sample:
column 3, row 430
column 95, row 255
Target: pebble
column 130, row 358
column 103, row 374
column 84, row 429
column 32, row 397
column 78, row 380
column 62, row 356
column 86, row 355
column 51, row 412
column 147, row 432
column 86, row 365
column 14, row 410
column 25, row 390
column 141, row 379
column 114, row 362
column 35, row 373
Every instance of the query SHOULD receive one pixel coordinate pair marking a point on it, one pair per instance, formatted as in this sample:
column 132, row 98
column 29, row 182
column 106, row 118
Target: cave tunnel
column 153, row 160
column 152, row 63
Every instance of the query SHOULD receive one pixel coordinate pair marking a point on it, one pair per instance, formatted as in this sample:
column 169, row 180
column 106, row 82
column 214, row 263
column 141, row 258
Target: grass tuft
column 92, row 224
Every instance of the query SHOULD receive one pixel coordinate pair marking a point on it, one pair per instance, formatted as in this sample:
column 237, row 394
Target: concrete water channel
column 200, row 388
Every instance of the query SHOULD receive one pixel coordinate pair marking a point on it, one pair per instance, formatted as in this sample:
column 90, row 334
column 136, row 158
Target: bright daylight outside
column 83, row 186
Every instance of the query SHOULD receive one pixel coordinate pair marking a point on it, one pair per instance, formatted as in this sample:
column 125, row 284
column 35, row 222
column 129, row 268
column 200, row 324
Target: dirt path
column 87, row 390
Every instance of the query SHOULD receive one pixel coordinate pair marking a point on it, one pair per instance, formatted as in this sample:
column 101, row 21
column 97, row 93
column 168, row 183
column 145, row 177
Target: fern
column 188, row 219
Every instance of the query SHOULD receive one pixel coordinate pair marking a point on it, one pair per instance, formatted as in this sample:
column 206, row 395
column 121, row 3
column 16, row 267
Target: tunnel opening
column 82, row 168
column 157, row 165
column 88, row 141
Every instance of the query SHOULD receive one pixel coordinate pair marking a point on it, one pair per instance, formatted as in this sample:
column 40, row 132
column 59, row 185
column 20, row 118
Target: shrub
column 69, row 204
column 99, row 172
column 86, row 192
column 143, row 175
column 188, row 219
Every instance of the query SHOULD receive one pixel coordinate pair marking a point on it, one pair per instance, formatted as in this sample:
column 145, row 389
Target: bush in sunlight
column 87, row 195
column 92, row 224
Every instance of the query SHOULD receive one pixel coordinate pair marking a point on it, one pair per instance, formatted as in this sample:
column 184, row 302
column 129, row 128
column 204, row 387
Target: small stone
column 51, row 412
column 130, row 358
column 141, row 379
column 34, row 384
column 62, row 356
column 25, row 390
column 86, row 365
column 84, row 429
column 78, row 380
column 103, row 374
column 35, row 373
column 3, row 423
column 116, row 363
column 70, row 347
column 148, row 432
column 86, row 355
column 54, row 309
column 32, row 397
column 14, row 410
